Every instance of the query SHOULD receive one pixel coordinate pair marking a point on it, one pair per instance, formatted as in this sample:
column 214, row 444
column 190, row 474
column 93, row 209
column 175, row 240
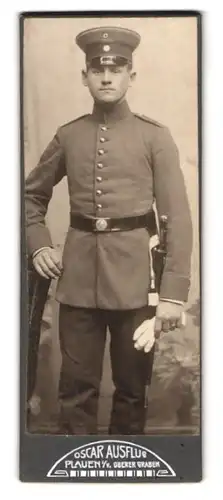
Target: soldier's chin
column 107, row 97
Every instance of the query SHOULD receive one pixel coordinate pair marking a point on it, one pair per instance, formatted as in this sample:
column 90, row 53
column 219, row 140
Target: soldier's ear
column 84, row 77
column 132, row 77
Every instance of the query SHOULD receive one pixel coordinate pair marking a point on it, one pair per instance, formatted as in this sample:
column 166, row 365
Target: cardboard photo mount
column 163, row 454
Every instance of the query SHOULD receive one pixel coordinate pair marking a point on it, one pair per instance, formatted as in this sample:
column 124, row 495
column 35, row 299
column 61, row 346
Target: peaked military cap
column 108, row 45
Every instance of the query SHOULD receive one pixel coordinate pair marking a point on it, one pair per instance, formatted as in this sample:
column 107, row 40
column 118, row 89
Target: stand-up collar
column 113, row 114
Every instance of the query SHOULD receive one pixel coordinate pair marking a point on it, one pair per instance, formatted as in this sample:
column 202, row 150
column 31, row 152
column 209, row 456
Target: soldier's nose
column 106, row 77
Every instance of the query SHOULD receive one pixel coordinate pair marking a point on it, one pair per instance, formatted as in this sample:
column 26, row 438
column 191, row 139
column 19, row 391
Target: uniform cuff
column 174, row 287
column 38, row 236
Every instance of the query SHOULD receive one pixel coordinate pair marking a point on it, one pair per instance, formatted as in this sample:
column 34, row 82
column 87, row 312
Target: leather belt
column 109, row 224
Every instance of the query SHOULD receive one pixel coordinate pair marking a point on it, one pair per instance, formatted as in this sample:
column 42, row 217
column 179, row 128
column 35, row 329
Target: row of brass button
column 100, row 165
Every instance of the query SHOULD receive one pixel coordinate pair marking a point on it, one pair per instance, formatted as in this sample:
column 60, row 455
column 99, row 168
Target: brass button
column 98, row 179
column 99, row 206
column 100, row 165
column 104, row 128
column 99, row 192
column 102, row 139
column 101, row 151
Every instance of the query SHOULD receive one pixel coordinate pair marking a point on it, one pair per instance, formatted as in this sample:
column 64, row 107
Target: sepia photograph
column 111, row 166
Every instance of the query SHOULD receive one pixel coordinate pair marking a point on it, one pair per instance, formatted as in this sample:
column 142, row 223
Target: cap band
column 97, row 62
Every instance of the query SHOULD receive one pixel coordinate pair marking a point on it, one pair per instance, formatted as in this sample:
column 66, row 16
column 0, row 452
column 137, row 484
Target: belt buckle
column 101, row 224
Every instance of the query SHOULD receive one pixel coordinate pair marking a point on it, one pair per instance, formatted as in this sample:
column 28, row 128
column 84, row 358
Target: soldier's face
column 108, row 84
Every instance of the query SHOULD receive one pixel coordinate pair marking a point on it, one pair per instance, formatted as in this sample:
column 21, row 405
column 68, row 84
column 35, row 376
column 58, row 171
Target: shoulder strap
column 149, row 120
column 75, row 120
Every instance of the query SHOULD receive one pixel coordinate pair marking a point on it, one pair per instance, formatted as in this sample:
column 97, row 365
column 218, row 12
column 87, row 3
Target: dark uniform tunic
column 116, row 164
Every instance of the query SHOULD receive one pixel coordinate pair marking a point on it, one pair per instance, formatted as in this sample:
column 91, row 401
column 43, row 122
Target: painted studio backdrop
column 166, row 90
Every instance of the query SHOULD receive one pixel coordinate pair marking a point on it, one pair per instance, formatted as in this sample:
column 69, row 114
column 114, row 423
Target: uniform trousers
column 82, row 341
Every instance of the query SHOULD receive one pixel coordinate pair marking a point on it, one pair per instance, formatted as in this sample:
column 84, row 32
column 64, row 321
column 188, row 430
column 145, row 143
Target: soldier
column 116, row 163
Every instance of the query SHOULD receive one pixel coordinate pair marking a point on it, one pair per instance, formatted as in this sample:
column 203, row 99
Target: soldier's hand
column 169, row 316
column 48, row 263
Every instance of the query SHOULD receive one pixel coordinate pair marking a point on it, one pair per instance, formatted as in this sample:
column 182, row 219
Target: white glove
column 144, row 337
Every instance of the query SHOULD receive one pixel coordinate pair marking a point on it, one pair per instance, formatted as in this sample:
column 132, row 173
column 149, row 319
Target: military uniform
column 116, row 163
